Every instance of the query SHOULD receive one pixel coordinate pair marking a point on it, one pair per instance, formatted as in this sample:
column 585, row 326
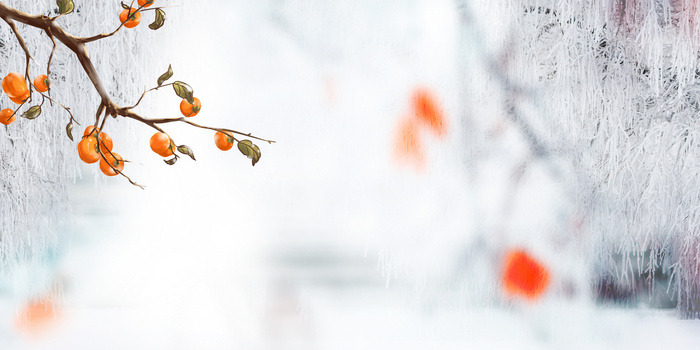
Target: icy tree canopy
column 37, row 160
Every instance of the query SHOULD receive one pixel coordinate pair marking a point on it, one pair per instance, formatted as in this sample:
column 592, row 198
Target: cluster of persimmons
column 16, row 89
column 96, row 145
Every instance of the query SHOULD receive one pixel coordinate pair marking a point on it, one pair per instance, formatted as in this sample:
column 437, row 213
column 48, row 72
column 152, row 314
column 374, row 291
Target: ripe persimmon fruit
column 87, row 150
column 146, row 3
column 130, row 21
column 115, row 160
column 89, row 131
column 162, row 144
column 523, row 275
column 21, row 99
column 42, row 83
column 428, row 110
column 408, row 148
column 37, row 316
column 105, row 142
column 224, row 141
column 15, row 86
column 7, row 116
column 190, row 110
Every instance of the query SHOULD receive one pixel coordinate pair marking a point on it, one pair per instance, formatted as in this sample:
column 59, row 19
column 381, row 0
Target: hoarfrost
column 614, row 87
column 38, row 162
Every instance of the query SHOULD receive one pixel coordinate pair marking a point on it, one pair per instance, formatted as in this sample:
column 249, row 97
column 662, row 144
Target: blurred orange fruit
column 524, row 276
column 36, row 316
column 426, row 108
column 407, row 145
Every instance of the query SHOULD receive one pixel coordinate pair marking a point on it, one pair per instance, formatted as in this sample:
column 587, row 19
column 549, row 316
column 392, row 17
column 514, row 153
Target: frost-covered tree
column 605, row 95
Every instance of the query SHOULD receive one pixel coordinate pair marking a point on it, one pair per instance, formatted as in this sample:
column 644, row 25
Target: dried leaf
column 159, row 21
column 69, row 130
column 186, row 150
column 167, row 75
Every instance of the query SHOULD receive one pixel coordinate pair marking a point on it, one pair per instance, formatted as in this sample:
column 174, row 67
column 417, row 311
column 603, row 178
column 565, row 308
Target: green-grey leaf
column 183, row 90
column 65, row 6
column 32, row 112
column 159, row 21
column 167, row 75
column 186, row 150
column 170, row 161
column 249, row 150
column 69, row 130
column 125, row 6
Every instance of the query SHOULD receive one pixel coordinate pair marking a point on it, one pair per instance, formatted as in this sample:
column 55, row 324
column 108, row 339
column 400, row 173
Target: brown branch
column 153, row 123
column 48, row 64
column 147, row 91
column 107, row 35
column 101, row 36
column 27, row 55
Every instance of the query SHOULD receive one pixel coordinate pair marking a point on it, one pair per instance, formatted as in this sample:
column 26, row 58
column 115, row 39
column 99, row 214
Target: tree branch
column 78, row 47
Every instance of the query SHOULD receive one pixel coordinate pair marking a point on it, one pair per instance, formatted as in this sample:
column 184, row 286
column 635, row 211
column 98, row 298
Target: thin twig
column 48, row 65
column 107, row 35
column 147, row 91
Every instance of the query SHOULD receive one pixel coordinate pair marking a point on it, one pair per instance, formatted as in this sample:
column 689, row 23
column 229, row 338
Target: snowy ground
column 327, row 243
column 231, row 287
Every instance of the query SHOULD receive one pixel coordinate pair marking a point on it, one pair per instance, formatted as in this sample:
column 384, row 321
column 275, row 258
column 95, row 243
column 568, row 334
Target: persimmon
column 408, row 148
column 146, row 3
column 42, row 83
column 170, row 151
column 19, row 100
column 162, row 144
column 188, row 109
column 224, row 141
column 89, row 131
column 130, row 21
column 115, row 160
column 7, row 116
column 87, row 150
column 37, row 316
column 428, row 110
column 14, row 85
column 524, row 276
column 105, row 142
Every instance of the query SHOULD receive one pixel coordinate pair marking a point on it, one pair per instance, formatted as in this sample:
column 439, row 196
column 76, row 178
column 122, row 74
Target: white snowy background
column 328, row 242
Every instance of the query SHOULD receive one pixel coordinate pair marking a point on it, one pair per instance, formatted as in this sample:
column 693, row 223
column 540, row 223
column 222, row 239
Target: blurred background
column 386, row 214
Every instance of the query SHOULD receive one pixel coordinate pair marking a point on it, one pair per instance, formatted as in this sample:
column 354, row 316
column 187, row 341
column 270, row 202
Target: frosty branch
column 101, row 147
